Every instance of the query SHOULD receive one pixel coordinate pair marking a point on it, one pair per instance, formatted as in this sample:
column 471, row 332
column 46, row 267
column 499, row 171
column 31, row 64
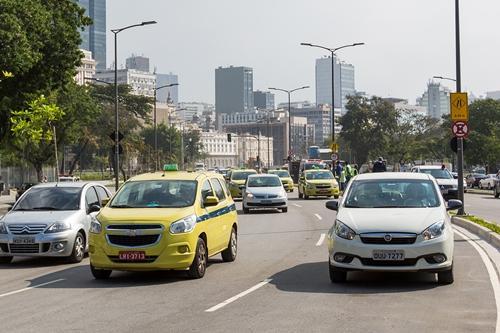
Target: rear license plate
column 132, row 255
column 24, row 240
column 389, row 255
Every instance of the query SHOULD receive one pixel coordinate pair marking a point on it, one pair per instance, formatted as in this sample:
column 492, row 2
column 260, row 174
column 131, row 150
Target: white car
column 488, row 182
column 392, row 222
column 447, row 184
column 264, row 191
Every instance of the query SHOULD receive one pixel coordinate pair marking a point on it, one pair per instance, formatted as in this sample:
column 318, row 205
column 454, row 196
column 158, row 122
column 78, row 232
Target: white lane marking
column 321, row 240
column 297, row 205
column 29, row 288
column 240, row 295
column 318, row 216
column 491, row 272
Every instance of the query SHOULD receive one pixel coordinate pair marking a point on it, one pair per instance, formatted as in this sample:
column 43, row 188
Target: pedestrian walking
column 349, row 172
column 342, row 180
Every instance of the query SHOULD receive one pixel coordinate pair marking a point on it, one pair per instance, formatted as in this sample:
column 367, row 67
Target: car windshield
column 50, row 198
column 387, row 193
column 156, row 194
column 264, row 182
column 437, row 173
column 242, row 175
column 280, row 173
column 319, row 175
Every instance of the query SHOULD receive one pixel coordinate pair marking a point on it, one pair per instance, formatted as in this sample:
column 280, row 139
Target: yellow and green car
column 237, row 181
column 315, row 183
column 285, row 178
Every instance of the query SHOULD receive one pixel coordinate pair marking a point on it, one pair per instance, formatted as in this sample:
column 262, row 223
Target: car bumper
column 265, row 203
column 334, row 191
column 170, row 253
column 44, row 245
column 415, row 255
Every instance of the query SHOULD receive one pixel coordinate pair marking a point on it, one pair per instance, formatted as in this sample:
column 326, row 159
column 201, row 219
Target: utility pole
column 460, row 141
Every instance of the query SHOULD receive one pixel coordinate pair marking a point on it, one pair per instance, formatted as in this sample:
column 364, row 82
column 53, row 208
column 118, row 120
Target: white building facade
column 219, row 152
column 142, row 83
column 86, row 69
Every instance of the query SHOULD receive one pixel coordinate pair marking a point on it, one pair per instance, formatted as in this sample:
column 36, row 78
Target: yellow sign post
column 334, row 147
column 459, row 107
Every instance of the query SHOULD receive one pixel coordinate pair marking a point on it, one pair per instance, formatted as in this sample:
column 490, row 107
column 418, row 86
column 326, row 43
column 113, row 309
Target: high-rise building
column 94, row 36
column 320, row 117
column 171, row 94
column 142, row 83
column 343, row 80
column 263, row 100
column 436, row 99
column 139, row 63
column 233, row 89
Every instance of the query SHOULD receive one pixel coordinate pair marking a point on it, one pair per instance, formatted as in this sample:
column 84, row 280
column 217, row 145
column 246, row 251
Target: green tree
column 169, row 141
column 33, row 130
column 40, row 42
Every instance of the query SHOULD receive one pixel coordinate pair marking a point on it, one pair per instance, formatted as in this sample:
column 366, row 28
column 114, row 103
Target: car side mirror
column 454, row 204
column 211, row 201
column 104, row 202
column 332, row 205
column 93, row 209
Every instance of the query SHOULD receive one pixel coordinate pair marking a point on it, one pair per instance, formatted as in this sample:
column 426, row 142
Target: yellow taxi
column 285, row 178
column 317, row 182
column 168, row 220
column 237, row 181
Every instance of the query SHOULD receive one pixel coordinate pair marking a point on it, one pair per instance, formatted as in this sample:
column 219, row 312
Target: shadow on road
column 260, row 211
column 80, row 277
column 314, row 278
column 34, row 262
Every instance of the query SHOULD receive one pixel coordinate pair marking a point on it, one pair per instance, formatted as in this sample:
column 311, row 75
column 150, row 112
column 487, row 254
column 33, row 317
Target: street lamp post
column 444, row 78
column 289, row 92
column 117, row 128
column 157, row 156
column 332, row 51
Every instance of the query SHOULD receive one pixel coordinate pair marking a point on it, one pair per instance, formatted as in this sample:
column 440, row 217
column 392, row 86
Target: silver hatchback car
column 264, row 191
column 51, row 220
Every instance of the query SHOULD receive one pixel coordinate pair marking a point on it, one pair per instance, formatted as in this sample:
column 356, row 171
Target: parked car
column 488, row 182
column 473, row 179
column 264, row 191
column 392, row 222
column 51, row 220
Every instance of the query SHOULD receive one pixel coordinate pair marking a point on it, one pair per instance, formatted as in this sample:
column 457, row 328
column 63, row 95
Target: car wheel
column 284, row 210
column 100, row 274
column 445, row 277
column 229, row 254
column 6, row 260
column 199, row 265
column 78, row 249
column 336, row 275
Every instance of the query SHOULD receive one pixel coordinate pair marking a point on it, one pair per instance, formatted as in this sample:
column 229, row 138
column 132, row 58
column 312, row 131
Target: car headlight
column 343, row 231
column 249, row 194
column 434, row 230
column 184, row 225
column 3, row 228
column 58, row 227
column 95, row 226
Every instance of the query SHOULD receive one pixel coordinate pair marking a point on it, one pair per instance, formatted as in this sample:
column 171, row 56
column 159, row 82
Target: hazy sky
column 407, row 42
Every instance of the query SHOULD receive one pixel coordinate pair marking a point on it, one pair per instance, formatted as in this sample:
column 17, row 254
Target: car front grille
column 27, row 229
column 133, row 241
column 135, row 227
column 396, row 239
column 322, row 186
column 385, row 263
column 149, row 259
column 24, row 248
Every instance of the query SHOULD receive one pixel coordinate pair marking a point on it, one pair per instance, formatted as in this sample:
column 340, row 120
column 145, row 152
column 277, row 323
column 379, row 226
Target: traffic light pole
column 460, row 141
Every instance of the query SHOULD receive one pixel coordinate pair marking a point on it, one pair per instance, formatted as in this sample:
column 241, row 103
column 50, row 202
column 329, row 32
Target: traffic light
column 228, row 137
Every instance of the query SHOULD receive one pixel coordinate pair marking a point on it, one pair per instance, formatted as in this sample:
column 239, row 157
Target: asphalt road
column 484, row 206
column 279, row 283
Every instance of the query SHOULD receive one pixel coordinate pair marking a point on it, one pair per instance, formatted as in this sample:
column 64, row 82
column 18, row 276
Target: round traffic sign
column 335, row 157
column 460, row 129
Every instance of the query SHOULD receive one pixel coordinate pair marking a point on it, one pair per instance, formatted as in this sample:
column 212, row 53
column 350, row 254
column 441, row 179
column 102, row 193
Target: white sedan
column 488, row 182
column 392, row 222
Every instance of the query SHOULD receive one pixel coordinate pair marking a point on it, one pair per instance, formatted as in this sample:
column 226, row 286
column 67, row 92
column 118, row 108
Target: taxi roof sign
column 170, row 167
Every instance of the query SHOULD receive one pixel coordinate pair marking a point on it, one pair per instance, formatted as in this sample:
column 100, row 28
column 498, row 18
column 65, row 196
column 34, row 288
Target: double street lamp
column 117, row 128
column 289, row 92
column 333, row 50
column 157, row 156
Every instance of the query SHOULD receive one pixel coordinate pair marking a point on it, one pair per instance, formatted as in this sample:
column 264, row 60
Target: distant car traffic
column 447, row 184
column 285, row 177
column 51, row 220
column 392, row 222
column 169, row 220
column 473, row 179
column 488, row 183
column 237, row 180
column 264, row 191
column 315, row 183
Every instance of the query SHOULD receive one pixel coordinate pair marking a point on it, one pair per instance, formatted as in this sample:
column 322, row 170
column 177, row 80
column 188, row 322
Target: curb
column 484, row 233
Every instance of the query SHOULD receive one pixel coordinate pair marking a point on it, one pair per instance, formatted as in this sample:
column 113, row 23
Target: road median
column 489, row 235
